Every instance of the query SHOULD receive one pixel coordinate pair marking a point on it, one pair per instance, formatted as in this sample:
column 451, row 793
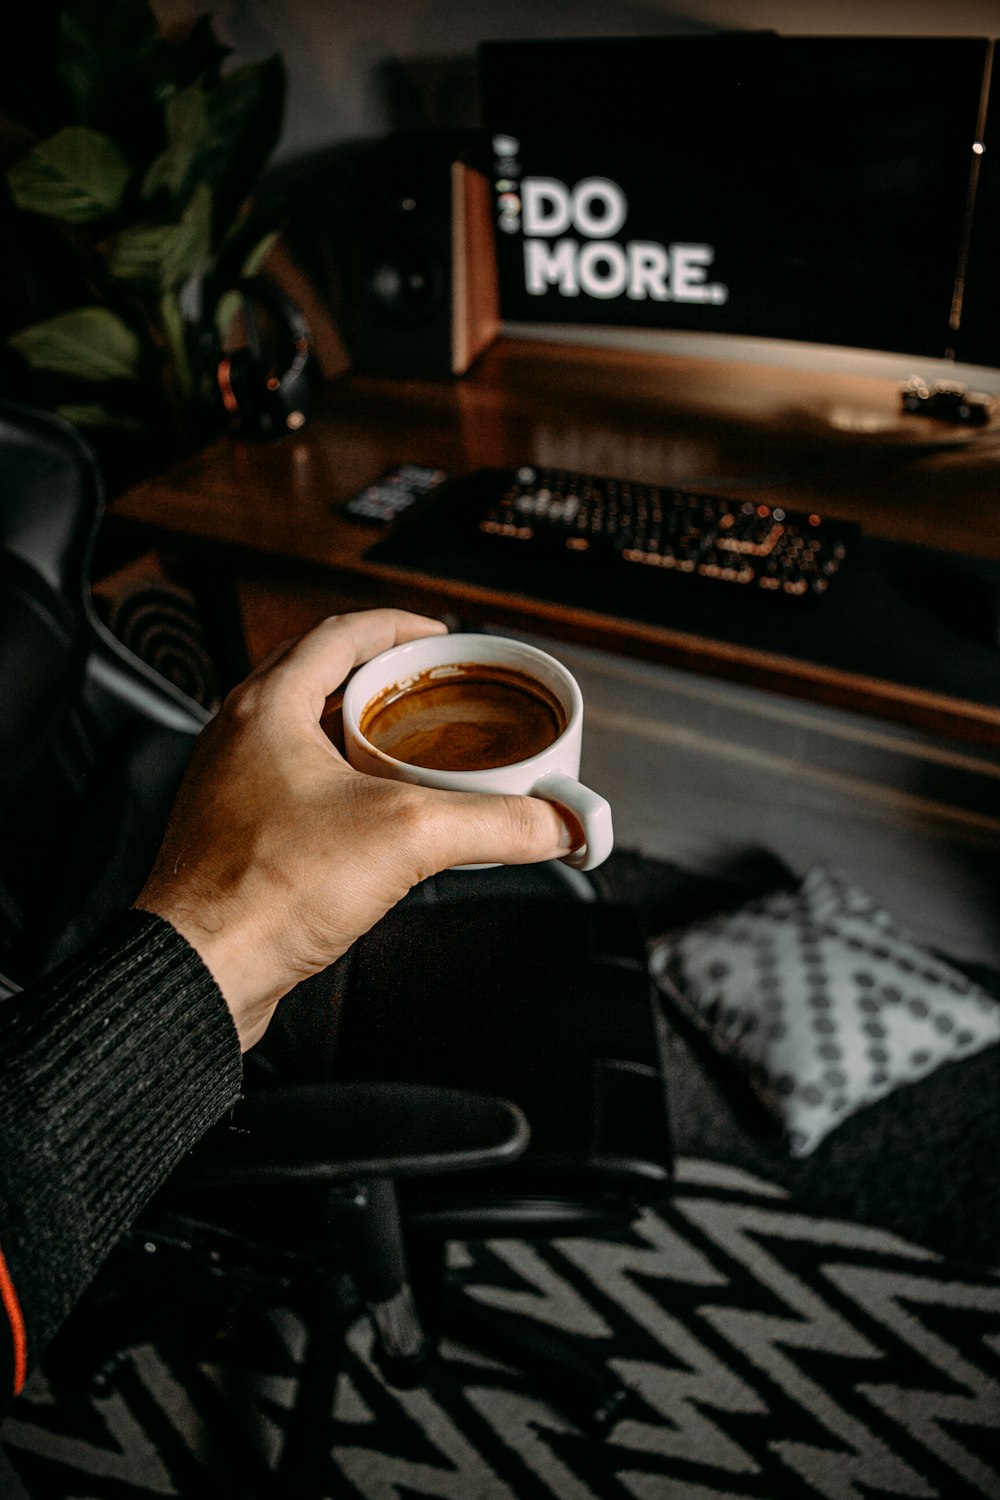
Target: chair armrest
column 341, row 1131
column 121, row 685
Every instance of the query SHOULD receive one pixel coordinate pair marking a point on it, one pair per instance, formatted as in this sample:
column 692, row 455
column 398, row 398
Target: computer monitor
column 826, row 189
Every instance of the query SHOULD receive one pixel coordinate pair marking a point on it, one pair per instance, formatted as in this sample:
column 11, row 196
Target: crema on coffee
column 464, row 717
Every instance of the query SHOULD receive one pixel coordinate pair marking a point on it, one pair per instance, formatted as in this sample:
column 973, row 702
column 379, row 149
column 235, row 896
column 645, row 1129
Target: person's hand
column 278, row 855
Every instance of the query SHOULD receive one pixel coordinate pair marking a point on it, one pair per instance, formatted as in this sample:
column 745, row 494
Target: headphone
column 270, row 383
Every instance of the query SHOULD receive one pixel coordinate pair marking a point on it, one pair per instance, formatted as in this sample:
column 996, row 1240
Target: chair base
column 557, row 1368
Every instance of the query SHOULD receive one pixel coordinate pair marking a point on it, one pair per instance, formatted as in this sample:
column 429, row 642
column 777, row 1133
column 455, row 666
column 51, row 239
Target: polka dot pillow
column 822, row 1000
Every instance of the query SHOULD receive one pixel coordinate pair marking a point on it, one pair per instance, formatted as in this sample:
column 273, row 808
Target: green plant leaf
column 186, row 118
column 176, row 331
column 77, row 175
column 246, row 110
column 89, row 343
column 198, row 58
column 109, row 49
column 228, row 305
column 93, row 415
column 140, row 255
column 245, row 245
column 165, row 255
column 258, row 255
column 193, row 247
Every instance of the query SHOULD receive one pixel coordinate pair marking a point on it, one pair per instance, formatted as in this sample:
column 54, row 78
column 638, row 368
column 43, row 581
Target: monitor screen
column 807, row 188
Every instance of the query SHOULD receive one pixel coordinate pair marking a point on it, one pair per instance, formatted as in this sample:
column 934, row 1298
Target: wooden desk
column 271, row 513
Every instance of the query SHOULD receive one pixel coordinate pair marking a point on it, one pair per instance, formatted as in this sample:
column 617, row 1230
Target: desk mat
column 910, row 615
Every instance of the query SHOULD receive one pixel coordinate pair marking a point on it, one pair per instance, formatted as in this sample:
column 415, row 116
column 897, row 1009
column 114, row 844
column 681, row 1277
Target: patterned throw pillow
column 822, row 1000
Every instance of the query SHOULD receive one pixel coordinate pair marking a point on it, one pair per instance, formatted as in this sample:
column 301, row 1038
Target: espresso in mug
column 464, row 717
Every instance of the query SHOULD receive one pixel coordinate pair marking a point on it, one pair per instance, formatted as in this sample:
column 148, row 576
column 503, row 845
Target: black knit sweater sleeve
column 110, row 1070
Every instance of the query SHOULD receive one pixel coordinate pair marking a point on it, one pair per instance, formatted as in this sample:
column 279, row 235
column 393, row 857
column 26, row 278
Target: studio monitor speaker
column 428, row 281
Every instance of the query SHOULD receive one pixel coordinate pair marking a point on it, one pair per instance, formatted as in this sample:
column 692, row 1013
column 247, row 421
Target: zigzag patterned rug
column 769, row 1353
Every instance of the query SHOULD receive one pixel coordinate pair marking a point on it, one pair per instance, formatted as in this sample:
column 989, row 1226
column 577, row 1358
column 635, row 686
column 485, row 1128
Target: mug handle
column 593, row 813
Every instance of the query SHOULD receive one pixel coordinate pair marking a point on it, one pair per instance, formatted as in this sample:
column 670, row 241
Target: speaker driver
column 408, row 285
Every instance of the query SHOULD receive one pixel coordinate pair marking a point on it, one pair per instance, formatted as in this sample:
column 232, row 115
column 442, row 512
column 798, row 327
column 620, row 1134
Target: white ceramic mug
column 553, row 773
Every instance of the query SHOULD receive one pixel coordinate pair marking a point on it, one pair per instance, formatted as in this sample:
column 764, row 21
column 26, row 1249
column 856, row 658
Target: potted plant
column 127, row 195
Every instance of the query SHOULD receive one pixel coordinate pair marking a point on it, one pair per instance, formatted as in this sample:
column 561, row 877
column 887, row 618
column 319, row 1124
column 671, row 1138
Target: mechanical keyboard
column 747, row 543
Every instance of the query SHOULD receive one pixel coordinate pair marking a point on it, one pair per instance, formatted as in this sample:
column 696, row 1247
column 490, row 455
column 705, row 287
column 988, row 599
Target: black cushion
column 545, row 1003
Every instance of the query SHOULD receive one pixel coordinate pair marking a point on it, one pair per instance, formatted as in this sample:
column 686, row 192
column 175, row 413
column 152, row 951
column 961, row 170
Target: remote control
column 393, row 493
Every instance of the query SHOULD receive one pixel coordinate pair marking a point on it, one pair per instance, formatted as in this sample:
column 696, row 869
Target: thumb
column 495, row 828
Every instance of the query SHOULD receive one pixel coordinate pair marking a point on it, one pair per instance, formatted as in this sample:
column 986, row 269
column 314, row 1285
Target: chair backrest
column 92, row 740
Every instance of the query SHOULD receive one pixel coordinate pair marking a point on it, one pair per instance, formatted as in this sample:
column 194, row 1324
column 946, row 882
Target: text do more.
column 597, row 264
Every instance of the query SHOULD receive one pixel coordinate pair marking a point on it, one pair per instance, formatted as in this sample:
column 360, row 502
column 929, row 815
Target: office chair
column 538, row 1004
column 88, row 733
column 486, row 1062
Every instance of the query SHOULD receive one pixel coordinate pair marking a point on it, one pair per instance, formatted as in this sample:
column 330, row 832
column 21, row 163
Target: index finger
column 320, row 661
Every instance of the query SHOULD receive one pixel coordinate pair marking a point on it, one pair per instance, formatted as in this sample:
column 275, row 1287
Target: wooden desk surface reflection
column 833, row 443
